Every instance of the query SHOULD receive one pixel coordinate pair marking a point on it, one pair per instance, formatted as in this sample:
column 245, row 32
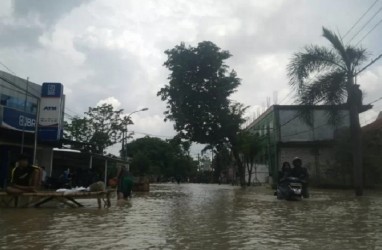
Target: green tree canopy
column 153, row 156
column 250, row 145
column 99, row 128
column 198, row 96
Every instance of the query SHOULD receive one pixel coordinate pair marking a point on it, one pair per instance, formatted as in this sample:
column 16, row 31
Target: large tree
column 221, row 159
column 249, row 149
column 99, row 128
column 197, row 96
column 327, row 76
column 153, row 156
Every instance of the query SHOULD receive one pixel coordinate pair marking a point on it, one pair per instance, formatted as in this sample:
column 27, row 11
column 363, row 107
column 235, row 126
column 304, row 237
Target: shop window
column 4, row 100
column 16, row 103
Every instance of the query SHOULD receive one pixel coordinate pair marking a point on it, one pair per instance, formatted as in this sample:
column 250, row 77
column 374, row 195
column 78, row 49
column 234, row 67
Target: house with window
column 372, row 152
column 18, row 112
column 19, row 104
column 287, row 135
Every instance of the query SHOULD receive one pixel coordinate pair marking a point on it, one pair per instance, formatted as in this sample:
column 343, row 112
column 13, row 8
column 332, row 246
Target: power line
column 73, row 112
column 369, row 64
column 294, row 117
column 5, row 66
column 375, row 26
column 287, row 96
column 376, row 100
column 326, row 124
column 15, row 90
column 359, row 19
column 312, row 129
column 68, row 115
column 142, row 133
column 353, row 26
column 19, row 88
column 368, row 21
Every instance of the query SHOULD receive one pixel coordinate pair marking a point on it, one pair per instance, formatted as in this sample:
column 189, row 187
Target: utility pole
column 123, row 145
column 356, row 133
column 36, row 132
column 124, row 134
column 198, row 162
column 25, row 108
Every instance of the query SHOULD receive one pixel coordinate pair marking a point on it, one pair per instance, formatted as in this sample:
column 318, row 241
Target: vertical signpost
column 51, row 112
column 25, row 110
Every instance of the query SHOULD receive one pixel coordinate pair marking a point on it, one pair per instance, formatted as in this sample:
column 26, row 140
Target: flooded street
column 193, row 216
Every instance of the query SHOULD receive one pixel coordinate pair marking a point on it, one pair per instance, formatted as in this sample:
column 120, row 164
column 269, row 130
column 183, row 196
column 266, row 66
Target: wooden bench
column 69, row 199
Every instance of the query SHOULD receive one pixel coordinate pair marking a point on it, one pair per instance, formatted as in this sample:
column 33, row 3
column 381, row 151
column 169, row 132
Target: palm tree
column 324, row 75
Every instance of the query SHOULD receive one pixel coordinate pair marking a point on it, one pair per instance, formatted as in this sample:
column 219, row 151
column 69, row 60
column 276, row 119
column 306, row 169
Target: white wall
column 295, row 129
column 262, row 173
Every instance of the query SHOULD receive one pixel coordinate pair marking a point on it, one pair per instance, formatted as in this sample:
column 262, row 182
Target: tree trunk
column 356, row 134
column 240, row 166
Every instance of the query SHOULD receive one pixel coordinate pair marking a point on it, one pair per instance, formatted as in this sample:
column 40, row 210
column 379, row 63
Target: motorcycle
column 289, row 188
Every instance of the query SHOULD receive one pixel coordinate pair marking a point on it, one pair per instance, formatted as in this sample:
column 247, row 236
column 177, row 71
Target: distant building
column 372, row 152
column 287, row 135
column 205, row 164
column 86, row 168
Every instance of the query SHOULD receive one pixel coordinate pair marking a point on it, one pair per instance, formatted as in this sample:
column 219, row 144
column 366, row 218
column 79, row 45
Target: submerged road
column 196, row 216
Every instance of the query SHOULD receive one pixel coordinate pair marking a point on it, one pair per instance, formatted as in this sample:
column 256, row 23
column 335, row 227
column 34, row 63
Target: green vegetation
column 99, row 128
column 165, row 159
column 198, row 97
column 326, row 75
column 250, row 147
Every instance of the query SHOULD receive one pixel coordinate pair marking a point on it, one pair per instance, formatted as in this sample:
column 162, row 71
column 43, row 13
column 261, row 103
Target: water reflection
column 191, row 216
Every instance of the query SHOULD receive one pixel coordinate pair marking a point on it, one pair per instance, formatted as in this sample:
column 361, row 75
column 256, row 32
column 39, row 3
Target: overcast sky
column 112, row 50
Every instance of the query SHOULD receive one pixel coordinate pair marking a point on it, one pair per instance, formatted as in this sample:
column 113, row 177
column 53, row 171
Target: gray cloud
column 14, row 35
column 31, row 19
column 49, row 12
column 103, row 49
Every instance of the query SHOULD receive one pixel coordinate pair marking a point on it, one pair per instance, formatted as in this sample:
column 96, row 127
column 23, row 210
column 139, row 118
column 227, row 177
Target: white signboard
column 50, row 112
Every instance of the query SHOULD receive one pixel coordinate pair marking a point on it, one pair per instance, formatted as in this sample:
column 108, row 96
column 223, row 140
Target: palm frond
column 337, row 44
column 313, row 59
column 356, row 56
column 329, row 88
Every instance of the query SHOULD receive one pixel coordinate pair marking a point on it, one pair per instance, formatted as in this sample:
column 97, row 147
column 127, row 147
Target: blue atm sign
column 18, row 120
column 52, row 90
column 52, row 104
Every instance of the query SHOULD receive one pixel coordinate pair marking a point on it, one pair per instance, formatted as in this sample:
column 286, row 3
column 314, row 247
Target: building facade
column 287, row 135
column 372, row 152
column 19, row 106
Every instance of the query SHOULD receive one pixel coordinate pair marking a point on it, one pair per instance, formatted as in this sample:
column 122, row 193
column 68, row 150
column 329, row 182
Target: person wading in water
column 25, row 177
column 125, row 183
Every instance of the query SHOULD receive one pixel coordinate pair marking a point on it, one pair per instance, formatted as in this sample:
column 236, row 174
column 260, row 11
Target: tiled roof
column 376, row 125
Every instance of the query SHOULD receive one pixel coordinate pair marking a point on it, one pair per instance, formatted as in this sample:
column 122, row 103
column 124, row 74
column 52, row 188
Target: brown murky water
column 192, row 216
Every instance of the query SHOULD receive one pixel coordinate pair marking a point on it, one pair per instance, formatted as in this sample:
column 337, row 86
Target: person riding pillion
column 300, row 172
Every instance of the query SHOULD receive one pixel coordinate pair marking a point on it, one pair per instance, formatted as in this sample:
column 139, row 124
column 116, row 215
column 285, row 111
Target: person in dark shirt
column 302, row 173
column 125, row 183
column 285, row 171
column 25, row 177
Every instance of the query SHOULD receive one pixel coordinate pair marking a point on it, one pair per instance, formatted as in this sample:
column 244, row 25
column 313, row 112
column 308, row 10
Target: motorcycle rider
column 302, row 173
column 285, row 172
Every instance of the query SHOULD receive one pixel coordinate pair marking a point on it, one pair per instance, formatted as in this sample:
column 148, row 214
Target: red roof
column 376, row 125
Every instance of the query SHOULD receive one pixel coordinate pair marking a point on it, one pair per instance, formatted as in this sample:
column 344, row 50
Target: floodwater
column 195, row 216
